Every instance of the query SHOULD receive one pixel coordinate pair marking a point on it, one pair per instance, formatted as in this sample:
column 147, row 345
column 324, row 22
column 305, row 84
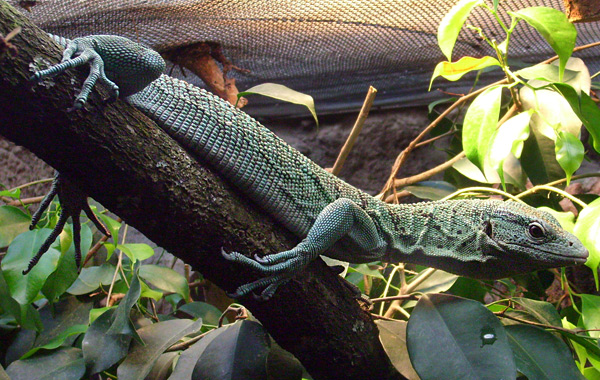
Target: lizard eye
column 536, row 230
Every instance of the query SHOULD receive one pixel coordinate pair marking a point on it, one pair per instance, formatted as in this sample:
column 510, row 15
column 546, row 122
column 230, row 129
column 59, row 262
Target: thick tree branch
column 123, row 160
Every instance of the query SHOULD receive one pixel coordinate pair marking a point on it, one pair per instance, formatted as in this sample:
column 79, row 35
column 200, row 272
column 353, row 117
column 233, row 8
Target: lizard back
column 284, row 182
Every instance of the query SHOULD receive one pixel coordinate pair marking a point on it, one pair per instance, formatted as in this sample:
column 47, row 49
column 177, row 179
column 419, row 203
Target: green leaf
column 26, row 315
column 111, row 224
column 392, row 335
column 238, row 352
column 585, row 108
column 281, row 92
column 587, row 229
column 63, row 364
column 92, row 278
column 136, row 251
column 100, row 349
column 566, row 219
column 365, row 270
column 462, row 335
column 25, row 288
column 541, row 355
column 453, row 71
column 452, row 23
column 569, row 153
column 433, row 190
column 188, row 359
column 210, row 315
column 3, row 374
column 556, row 29
column 590, row 313
column 509, row 138
column 480, row 124
column 57, row 319
column 121, row 322
column 547, row 72
column 157, row 338
column 166, row 279
column 59, row 340
column 541, row 311
column 15, row 194
column 67, row 272
column 12, row 222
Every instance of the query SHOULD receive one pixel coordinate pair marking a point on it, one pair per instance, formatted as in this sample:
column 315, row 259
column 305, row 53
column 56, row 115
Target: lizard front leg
column 342, row 218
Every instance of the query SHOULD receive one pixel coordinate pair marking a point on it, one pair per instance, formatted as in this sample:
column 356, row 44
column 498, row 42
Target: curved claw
column 73, row 201
column 79, row 52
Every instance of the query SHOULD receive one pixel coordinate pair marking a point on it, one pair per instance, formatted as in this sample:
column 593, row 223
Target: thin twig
column 360, row 121
column 22, row 202
column 402, row 182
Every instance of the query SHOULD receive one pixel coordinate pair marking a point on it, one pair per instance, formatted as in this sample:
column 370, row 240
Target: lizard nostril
column 570, row 244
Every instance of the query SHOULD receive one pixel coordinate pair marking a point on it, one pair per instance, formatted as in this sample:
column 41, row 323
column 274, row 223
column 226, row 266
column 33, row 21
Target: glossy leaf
column 585, row 108
column 25, row 288
column 566, row 219
column 453, row 71
column 63, row 364
column 166, row 279
column 210, row 314
column 281, row 92
column 547, row 72
column 554, row 26
column 569, row 153
column 590, row 313
column 239, row 353
column 157, row 337
column 392, row 335
column 452, row 23
column 100, row 349
column 136, row 251
column 433, row 190
column 13, row 222
column 59, row 340
column 480, row 124
column 587, row 229
column 59, row 317
column 121, row 323
column 540, row 311
column 466, row 340
column 66, row 271
column 26, row 315
column 188, row 359
column 163, row 366
column 507, row 139
column 92, row 278
column 282, row 365
column 3, row 374
column 541, row 355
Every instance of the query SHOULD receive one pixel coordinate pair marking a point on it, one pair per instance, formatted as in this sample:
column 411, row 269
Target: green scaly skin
column 482, row 239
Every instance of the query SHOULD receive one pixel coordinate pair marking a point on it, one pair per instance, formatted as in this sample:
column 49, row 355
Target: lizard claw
column 73, row 201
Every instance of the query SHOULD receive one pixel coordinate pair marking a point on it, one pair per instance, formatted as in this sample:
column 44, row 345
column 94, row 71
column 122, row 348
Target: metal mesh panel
column 332, row 50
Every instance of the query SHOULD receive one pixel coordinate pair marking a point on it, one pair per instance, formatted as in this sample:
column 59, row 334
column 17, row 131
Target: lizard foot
column 277, row 273
column 79, row 52
column 73, row 201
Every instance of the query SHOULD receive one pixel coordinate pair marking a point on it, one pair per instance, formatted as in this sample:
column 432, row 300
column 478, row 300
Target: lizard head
column 517, row 238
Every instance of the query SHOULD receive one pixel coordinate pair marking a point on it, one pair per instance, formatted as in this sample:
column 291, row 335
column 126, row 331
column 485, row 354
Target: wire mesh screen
column 332, row 50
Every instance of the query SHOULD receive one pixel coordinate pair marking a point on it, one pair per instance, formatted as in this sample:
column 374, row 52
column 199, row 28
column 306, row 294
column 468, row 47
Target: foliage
column 124, row 317
column 526, row 329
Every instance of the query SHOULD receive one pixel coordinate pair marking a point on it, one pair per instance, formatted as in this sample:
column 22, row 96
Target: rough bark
column 123, row 160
